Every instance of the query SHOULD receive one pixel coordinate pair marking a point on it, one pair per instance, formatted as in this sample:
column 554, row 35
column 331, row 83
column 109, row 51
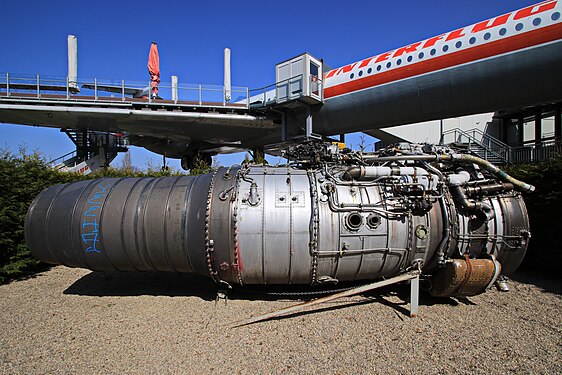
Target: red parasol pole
column 154, row 69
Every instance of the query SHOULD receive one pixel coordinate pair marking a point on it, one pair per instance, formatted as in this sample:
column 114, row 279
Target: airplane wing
column 155, row 122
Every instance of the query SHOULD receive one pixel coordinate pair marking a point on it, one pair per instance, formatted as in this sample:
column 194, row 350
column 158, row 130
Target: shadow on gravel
column 548, row 280
column 102, row 284
column 394, row 296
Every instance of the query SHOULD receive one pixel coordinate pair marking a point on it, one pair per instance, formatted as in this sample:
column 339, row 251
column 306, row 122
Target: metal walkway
column 46, row 89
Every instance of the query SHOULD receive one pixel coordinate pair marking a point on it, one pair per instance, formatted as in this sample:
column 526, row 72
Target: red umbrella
column 154, row 69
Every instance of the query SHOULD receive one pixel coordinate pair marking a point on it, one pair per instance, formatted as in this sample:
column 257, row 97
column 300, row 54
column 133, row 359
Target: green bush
column 544, row 206
column 22, row 177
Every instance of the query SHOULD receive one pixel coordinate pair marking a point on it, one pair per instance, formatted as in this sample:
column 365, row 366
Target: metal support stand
column 414, row 296
column 222, row 294
column 413, row 275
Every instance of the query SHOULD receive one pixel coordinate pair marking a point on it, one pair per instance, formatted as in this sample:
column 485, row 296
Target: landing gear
column 186, row 163
column 191, row 161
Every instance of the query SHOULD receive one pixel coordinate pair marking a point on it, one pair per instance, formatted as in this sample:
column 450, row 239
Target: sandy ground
column 74, row 321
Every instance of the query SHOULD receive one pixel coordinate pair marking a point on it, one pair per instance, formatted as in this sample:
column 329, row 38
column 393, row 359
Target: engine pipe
column 461, row 158
column 482, row 207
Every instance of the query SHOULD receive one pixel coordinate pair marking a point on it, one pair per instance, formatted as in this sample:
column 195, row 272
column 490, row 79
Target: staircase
column 94, row 150
column 479, row 143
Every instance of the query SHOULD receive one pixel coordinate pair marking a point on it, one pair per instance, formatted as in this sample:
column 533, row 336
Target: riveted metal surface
column 221, row 225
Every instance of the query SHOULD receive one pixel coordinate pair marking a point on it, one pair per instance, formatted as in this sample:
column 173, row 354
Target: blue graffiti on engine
column 91, row 224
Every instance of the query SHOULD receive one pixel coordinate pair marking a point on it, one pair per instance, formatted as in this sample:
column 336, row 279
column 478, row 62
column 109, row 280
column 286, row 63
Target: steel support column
column 520, row 131
column 557, row 123
column 538, row 128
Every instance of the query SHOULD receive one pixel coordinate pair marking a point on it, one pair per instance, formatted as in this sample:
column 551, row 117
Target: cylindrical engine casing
column 259, row 225
column 127, row 224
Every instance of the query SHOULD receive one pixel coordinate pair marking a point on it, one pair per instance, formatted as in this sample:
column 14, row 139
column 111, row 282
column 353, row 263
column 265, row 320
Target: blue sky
column 114, row 39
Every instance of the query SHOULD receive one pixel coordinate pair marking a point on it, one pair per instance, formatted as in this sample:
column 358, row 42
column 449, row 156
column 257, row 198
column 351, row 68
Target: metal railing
column 286, row 90
column 63, row 159
column 497, row 151
column 97, row 90
column 491, row 147
column 535, row 152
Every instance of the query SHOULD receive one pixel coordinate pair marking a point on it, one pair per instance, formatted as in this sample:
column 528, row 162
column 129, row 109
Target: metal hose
column 461, row 158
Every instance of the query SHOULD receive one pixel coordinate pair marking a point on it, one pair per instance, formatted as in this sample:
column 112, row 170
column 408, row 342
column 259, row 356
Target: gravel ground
column 74, row 321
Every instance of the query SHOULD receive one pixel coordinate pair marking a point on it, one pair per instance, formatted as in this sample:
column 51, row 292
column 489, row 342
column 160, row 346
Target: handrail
column 63, row 158
column 97, row 90
column 501, row 150
column 489, row 137
column 260, row 99
column 533, row 152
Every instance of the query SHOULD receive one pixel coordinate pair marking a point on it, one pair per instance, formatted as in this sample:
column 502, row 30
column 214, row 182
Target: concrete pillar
column 501, row 124
column 72, row 75
column 175, row 89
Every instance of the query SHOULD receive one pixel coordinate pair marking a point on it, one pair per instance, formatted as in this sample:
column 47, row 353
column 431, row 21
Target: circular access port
column 373, row 220
column 422, row 232
column 353, row 221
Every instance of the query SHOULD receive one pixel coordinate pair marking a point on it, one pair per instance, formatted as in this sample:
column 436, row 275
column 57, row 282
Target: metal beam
column 538, row 127
column 520, row 131
column 557, row 123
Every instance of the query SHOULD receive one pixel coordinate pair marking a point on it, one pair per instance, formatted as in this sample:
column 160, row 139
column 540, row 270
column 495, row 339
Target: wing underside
column 148, row 122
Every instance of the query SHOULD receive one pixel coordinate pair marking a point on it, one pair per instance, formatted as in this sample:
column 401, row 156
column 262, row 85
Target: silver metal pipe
column 519, row 185
column 461, row 158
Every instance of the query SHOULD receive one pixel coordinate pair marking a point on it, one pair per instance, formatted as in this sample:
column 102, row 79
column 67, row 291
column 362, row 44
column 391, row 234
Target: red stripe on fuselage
column 498, row 47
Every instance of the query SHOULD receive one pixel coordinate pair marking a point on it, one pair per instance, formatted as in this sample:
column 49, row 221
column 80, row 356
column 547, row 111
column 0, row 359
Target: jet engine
column 329, row 215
